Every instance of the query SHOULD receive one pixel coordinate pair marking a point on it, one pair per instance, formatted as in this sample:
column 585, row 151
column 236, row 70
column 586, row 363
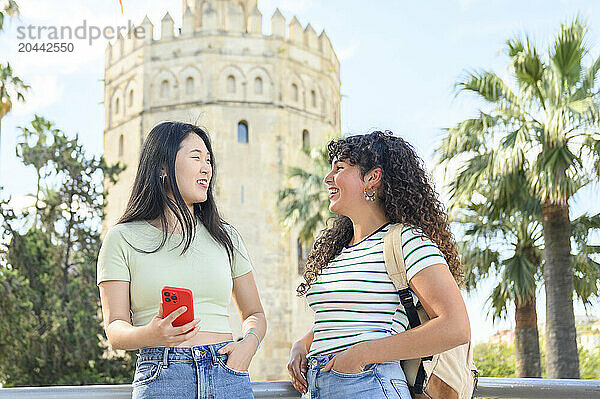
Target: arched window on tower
column 164, row 89
column 121, row 145
column 231, row 84
column 131, row 98
column 313, row 98
column 305, row 139
column 258, row 86
column 189, row 86
column 117, row 106
column 295, row 92
column 242, row 132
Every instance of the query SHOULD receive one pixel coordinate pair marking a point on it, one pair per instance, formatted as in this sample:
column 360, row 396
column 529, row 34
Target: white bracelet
column 256, row 335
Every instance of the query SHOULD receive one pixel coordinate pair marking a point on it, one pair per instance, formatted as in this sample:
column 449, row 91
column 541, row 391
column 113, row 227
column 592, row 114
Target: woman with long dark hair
column 360, row 332
column 171, row 234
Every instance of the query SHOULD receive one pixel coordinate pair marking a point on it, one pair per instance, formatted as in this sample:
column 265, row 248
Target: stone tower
column 261, row 97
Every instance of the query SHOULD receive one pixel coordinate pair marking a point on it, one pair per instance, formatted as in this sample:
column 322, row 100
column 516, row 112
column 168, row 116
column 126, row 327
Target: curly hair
column 406, row 195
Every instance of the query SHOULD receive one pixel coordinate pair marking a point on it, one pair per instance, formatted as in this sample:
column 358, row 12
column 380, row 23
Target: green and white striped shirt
column 354, row 299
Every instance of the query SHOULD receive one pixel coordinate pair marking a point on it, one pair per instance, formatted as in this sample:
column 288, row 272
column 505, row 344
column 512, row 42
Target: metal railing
column 493, row 388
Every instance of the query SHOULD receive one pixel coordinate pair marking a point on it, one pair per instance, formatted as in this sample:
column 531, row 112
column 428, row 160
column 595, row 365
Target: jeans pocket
column 222, row 360
column 146, row 372
column 367, row 371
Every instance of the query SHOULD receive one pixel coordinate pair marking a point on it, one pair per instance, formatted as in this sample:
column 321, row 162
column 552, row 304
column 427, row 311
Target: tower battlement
column 227, row 18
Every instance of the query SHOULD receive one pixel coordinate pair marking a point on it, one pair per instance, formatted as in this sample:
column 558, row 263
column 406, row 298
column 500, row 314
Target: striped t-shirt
column 354, row 299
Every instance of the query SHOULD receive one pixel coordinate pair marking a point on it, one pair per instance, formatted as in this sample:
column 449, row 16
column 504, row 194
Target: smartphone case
column 172, row 298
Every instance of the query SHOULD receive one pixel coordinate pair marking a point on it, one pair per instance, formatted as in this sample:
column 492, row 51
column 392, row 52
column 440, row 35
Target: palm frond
column 586, row 278
column 528, row 69
column 491, row 88
column 477, row 263
column 567, row 52
column 304, row 203
column 550, row 177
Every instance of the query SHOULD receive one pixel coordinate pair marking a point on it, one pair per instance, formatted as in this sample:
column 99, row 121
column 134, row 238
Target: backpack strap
column 396, row 269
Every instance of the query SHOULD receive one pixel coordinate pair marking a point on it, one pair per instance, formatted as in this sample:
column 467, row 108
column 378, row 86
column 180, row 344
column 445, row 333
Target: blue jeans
column 377, row 381
column 196, row 372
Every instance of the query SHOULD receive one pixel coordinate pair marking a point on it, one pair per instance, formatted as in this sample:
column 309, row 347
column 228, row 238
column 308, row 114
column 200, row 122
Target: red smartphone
column 172, row 298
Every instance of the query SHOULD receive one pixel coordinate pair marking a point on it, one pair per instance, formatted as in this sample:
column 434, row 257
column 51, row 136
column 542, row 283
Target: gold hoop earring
column 370, row 197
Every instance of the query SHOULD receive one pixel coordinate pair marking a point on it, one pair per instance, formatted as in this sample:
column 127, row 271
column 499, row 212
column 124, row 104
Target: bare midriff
column 206, row 338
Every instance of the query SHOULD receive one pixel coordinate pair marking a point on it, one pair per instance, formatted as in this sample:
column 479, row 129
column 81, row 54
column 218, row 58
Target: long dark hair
column 406, row 196
column 149, row 199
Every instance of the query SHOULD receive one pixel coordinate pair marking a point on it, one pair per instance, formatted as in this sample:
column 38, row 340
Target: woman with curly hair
column 360, row 332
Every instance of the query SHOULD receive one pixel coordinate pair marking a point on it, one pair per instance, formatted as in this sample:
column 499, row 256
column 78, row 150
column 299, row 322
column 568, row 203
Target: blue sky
column 399, row 63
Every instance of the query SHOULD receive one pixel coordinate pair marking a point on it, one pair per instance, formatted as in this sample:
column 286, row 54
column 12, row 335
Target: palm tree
column 518, row 275
column 304, row 203
column 544, row 124
column 519, row 238
column 10, row 86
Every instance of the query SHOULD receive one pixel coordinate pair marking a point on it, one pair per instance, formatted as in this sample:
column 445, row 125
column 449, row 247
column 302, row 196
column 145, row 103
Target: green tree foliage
column 9, row 9
column 11, row 86
column 497, row 360
column 542, row 123
column 589, row 364
column 494, row 360
column 50, row 319
column 304, row 203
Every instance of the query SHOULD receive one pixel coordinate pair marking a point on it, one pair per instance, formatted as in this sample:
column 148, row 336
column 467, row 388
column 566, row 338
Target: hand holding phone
column 172, row 298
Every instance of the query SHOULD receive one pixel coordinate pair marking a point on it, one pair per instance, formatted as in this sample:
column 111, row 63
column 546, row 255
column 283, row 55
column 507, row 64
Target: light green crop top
column 204, row 268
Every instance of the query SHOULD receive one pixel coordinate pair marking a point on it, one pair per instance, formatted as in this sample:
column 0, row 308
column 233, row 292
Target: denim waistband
column 319, row 360
column 178, row 353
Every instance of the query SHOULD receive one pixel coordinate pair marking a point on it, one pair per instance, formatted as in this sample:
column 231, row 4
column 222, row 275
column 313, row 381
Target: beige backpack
column 448, row 375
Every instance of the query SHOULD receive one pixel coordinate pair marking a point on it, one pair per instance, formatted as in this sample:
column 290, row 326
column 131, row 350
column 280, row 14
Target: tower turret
column 325, row 44
column 277, row 24
column 295, row 31
column 310, row 38
column 166, row 27
column 236, row 22
column 255, row 21
column 209, row 18
column 188, row 22
column 148, row 28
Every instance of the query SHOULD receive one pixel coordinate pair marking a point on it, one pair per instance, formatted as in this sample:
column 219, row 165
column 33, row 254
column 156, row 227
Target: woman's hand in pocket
column 239, row 354
column 345, row 362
